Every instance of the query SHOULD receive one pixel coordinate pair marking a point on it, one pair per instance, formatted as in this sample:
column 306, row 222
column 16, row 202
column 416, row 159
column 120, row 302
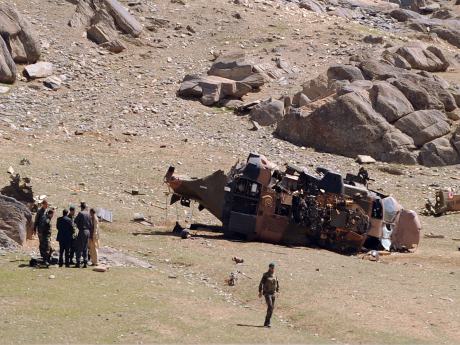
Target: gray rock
column 215, row 88
column 39, row 70
column 312, row 5
column 268, row 112
column 449, row 33
column 456, row 139
column 53, row 82
column 15, row 219
column 404, row 15
column 371, row 39
column 115, row 46
column 300, row 100
column 24, row 45
column 317, row 88
column 396, row 60
column 424, row 125
column 379, row 70
column 389, row 101
column 423, row 59
column 7, row 67
column 455, row 92
column 123, row 19
column 413, row 5
column 101, row 33
column 82, row 15
column 328, row 128
column 189, row 87
column 255, row 80
column 424, row 92
column 231, row 66
column 344, row 72
column 439, row 152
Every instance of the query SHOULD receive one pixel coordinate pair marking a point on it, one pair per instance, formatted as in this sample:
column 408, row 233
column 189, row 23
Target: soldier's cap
column 71, row 208
column 272, row 264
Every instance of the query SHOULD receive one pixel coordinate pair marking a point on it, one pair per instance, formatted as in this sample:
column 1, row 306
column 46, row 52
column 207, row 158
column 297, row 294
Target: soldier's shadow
column 244, row 325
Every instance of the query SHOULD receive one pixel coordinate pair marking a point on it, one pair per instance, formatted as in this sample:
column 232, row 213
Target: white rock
column 363, row 159
column 39, row 70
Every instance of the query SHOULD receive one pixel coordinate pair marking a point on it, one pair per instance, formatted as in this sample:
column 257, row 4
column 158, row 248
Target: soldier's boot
column 267, row 322
column 85, row 265
column 77, row 265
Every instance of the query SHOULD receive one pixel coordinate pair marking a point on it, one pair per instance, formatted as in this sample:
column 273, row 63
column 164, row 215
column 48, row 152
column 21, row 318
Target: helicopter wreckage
column 259, row 202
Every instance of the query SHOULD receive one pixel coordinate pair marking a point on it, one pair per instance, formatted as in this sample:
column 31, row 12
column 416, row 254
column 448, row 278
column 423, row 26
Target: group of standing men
column 76, row 234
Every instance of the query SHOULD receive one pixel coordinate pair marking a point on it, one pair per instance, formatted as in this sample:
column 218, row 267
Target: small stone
column 364, row 159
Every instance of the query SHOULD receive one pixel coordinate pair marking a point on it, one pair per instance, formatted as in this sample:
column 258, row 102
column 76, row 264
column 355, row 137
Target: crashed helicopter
column 259, row 202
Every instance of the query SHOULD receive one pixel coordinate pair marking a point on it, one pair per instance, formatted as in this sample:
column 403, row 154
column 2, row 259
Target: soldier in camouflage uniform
column 268, row 287
column 44, row 229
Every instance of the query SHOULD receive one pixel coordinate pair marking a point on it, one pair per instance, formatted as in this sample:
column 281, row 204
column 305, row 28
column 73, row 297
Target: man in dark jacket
column 74, row 245
column 84, row 225
column 39, row 216
column 268, row 287
column 64, row 236
column 44, row 231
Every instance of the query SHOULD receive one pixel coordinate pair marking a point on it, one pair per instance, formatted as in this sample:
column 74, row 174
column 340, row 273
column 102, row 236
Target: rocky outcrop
column 395, row 115
column 17, row 43
column 446, row 29
column 17, row 32
column 231, row 77
column 439, row 152
column 15, row 219
column 424, row 125
column 347, row 125
column 268, row 112
column 103, row 19
column 389, row 101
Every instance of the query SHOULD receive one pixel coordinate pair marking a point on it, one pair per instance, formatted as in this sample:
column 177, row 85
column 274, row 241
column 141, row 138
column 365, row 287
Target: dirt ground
column 134, row 127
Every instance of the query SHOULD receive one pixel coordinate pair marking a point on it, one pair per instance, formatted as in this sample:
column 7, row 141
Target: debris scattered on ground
column 431, row 235
column 446, row 200
column 19, row 188
column 372, row 255
column 237, row 260
column 232, row 279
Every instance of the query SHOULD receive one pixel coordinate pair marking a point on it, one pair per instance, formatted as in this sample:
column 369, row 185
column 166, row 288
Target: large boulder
column 389, row 101
column 317, row 88
column 312, row 5
column 413, row 5
column 18, row 34
column 344, row 72
column 404, row 15
column 7, row 67
column 424, row 92
column 15, row 219
column 374, row 69
column 396, row 60
column 268, row 112
column 348, row 125
column 439, row 152
column 423, row 59
column 448, row 30
column 103, row 19
column 123, row 19
column 424, row 125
